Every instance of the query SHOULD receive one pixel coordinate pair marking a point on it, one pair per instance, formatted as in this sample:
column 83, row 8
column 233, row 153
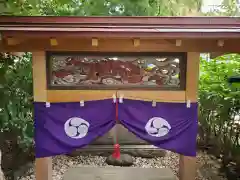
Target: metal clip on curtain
column 154, row 104
column 114, row 98
column 48, row 104
column 188, row 103
column 121, row 98
column 81, row 103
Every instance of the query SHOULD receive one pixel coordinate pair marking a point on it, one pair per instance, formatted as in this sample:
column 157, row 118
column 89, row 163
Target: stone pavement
column 118, row 173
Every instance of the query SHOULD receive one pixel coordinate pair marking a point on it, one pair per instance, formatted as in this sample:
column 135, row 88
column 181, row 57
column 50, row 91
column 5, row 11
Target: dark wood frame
column 181, row 55
column 144, row 21
column 140, row 27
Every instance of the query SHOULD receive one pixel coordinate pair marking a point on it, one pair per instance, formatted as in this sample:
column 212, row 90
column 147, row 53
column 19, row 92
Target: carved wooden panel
column 116, row 71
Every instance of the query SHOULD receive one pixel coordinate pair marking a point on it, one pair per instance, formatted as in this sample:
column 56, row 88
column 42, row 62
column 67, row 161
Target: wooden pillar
column 187, row 165
column 43, row 166
column 192, row 76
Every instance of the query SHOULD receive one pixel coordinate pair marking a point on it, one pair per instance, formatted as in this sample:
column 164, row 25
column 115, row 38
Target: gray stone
column 151, row 153
column 143, row 153
column 123, row 134
column 124, row 160
column 119, row 173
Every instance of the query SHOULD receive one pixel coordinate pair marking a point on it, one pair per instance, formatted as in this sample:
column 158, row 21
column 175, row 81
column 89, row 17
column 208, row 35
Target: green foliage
column 220, row 106
column 114, row 8
column 101, row 7
column 16, row 97
column 226, row 8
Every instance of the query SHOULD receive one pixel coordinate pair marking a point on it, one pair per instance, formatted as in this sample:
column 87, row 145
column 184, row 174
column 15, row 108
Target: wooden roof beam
column 124, row 45
column 132, row 21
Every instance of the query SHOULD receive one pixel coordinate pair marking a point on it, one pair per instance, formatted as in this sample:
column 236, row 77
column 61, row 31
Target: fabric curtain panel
column 170, row 126
column 64, row 127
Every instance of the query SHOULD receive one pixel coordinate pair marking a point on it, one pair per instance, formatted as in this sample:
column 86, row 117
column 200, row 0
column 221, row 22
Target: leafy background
column 219, row 102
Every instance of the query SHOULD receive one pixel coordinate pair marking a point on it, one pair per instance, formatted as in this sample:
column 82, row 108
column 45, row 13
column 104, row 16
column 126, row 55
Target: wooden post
column 187, row 168
column 187, row 165
column 43, row 167
column 192, row 76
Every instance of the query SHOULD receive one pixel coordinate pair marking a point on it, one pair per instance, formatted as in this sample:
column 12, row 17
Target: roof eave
column 120, row 20
column 128, row 33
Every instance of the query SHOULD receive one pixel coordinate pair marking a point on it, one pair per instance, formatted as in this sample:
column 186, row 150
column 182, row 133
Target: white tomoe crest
column 157, row 127
column 76, row 127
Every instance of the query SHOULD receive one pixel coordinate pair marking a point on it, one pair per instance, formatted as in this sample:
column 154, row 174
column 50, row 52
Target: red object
column 61, row 73
column 116, row 154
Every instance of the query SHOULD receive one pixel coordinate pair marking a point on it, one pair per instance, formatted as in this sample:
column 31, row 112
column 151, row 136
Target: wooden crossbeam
column 124, row 45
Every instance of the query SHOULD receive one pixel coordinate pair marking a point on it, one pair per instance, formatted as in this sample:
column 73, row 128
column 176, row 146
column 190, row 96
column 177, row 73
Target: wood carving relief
column 119, row 71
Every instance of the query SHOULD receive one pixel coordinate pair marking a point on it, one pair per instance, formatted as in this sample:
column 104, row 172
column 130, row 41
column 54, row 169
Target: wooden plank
column 190, row 22
column 187, row 167
column 90, row 95
column 124, row 45
column 102, row 32
column 193, row 59
column 39, row 76
column 119, row 173
column 43, row 166
column 77, row 95
column 158, row 96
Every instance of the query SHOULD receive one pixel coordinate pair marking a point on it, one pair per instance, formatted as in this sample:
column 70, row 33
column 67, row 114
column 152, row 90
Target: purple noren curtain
column 170, row 126
column 63, row 127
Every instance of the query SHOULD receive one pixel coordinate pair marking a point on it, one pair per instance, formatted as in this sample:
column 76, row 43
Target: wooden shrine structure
column 173, row 42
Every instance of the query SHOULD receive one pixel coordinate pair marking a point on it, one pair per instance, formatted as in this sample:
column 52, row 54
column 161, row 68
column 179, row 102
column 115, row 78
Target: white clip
column 220, row 43
column 121, row 98
column 188, row 103
column 154, row 104
column 178, row 42
column 81, row 103
column 48, row 104
column 114, row 98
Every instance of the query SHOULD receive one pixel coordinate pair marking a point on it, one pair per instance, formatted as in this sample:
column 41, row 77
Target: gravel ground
column 206, row 165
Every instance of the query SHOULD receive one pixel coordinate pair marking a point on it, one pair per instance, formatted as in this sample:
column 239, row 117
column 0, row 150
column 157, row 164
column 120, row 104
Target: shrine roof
column 166, row 27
